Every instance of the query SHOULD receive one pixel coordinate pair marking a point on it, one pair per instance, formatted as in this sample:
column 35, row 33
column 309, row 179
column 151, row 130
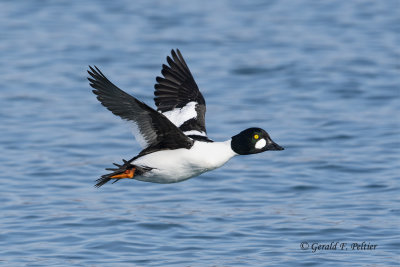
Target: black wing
column 153, row 130
column 179, row 99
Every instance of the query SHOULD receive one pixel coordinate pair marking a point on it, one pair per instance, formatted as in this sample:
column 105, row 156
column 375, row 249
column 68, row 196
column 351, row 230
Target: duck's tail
column 127, row 170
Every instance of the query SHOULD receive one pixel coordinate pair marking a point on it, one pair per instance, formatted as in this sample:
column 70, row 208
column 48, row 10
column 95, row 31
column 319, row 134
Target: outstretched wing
column 152, row 129
column 179, row 99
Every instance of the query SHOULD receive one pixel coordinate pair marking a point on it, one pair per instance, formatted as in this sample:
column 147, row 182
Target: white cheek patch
column 260, row 143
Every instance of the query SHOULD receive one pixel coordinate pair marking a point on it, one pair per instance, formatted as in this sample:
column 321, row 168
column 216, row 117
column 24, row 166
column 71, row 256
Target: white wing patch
column 261, row 143
column 194, row 132
column 178, row 116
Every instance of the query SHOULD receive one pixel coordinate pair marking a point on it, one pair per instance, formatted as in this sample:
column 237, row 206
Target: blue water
column 322, row 77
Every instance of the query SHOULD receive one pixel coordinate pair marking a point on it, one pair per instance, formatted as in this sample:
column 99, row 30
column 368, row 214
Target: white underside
column 171, row 166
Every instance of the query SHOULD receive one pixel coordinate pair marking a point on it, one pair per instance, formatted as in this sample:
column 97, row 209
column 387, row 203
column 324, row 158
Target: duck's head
column 252, row 141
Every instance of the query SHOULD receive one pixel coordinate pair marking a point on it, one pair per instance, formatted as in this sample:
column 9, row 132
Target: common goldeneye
column 174, row 138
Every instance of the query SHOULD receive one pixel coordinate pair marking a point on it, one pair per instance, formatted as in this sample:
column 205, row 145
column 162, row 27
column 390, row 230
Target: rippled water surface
column 323, row 78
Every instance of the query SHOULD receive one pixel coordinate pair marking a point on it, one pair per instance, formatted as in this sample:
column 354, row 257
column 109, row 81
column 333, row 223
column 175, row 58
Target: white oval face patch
column 260, row 143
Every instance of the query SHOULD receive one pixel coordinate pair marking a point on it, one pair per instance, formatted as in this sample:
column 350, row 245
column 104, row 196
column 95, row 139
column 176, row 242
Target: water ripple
column 321, row 77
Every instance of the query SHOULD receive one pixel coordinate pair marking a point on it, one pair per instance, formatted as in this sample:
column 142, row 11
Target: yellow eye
column 256, row 136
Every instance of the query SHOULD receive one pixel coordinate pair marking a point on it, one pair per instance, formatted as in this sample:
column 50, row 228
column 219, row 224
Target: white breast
column 171, row 166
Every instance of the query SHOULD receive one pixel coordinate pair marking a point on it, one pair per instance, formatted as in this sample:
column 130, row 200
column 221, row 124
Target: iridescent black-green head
column 252, row 141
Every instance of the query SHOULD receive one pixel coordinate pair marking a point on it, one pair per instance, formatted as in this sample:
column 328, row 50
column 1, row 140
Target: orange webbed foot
column 126, row 174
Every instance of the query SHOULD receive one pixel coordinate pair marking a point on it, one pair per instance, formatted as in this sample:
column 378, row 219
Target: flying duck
column 173, row 137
